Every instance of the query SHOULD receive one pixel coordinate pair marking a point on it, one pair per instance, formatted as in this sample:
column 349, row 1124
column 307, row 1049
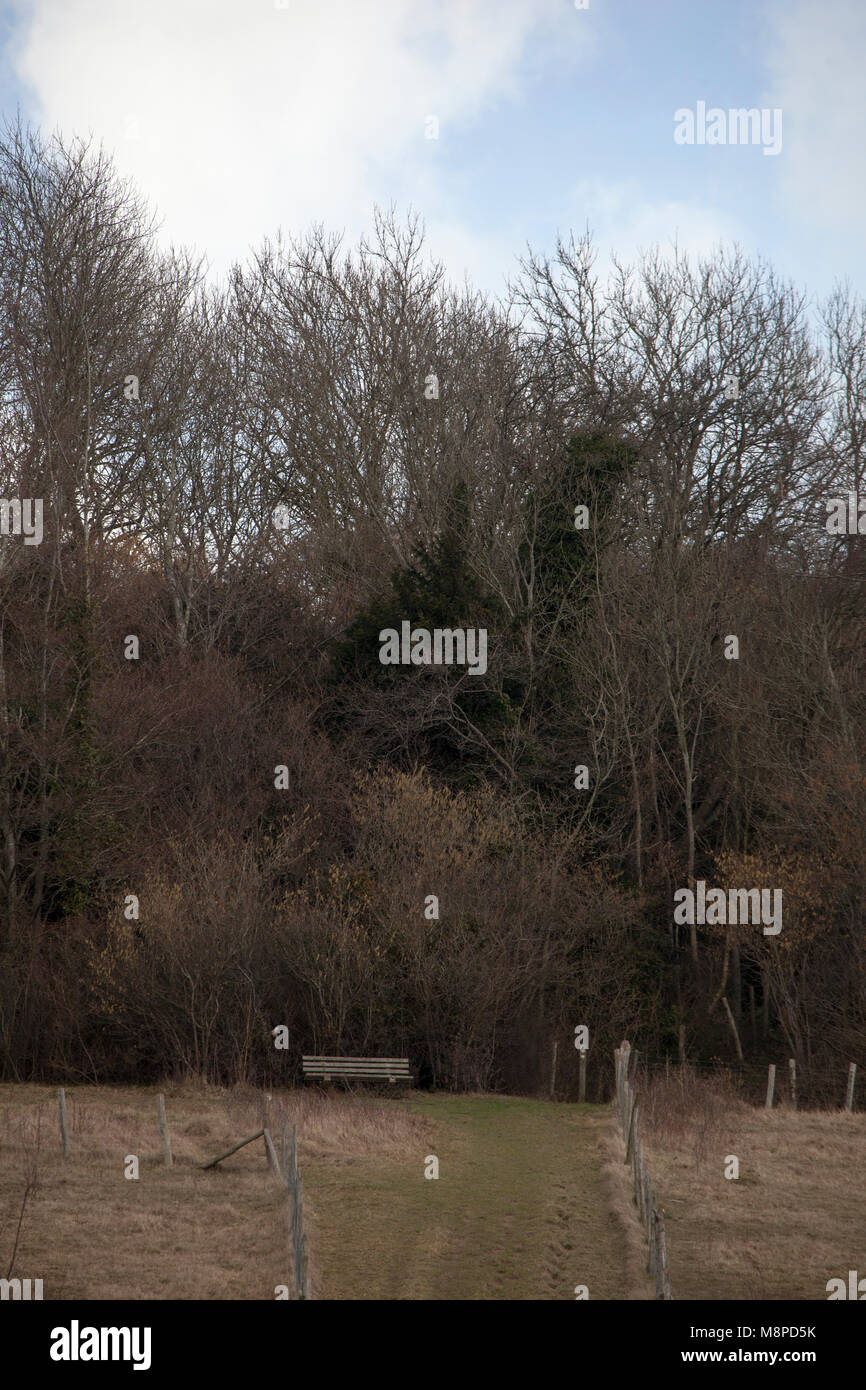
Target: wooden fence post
column 271, row 1151
column 792, row 1075
column 849, row 1094
column 233, row 1150
column 581, row 1091
column 624, row 1051
column 632, row 1126
column 553, row 1069
column 656, row 1250
column 661, row 1240
column 628, row 1111
column 638, row 1180
column 163, row 1131
column 64, row 1130
column 771, row 1086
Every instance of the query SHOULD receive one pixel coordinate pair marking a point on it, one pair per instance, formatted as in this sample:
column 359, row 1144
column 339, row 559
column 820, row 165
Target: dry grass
column 616, row 1179
column 532, row 1198
column 355, row 1126
column 518, row 1210
column 89, row 1232
column 793, row 1219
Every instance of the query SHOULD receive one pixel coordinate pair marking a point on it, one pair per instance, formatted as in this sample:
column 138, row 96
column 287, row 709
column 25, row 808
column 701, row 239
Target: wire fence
column 287, row 1168
column 813, row 1087
column 295, row 1184
column 651, row 1214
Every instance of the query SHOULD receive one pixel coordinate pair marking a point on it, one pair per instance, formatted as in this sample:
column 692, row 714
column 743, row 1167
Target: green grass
column 517, row 1212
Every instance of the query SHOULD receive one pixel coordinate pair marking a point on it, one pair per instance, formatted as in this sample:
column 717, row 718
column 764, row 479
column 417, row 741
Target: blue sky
column 236, row 117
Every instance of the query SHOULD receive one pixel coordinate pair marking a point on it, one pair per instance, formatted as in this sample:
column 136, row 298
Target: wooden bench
column 357, row 1068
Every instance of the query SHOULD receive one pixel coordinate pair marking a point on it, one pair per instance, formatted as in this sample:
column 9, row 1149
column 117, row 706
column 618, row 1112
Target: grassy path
column 517, row 1212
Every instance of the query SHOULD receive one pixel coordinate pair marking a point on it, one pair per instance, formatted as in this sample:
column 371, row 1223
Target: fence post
column 301, row 1250
column 663, row 1254
column 625, row 1049
column 581, row 1092
column 771, row 1086
column 212, row 1163
column 792, row 1074
column 64, row 1131
column 553, row 1069
column 638, row 1180
column 272, row 1153
column 628, row 1110
column 849, row 1094
column 638, row 1176
column 295, row 1188
column 631, row 1130
column 163, row 1131
column 657, row 1262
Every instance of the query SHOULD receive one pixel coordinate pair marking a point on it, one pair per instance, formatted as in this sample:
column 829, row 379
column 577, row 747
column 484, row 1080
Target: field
column 794, row 1217
column 531, row 1200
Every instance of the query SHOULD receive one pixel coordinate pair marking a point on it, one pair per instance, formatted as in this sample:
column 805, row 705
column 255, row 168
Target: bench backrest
column 359, row 1068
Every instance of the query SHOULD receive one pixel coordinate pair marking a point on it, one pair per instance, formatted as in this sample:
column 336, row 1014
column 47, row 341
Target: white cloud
column 622, row 219
column 236, row 117
column 817, row 80
column 485, row 259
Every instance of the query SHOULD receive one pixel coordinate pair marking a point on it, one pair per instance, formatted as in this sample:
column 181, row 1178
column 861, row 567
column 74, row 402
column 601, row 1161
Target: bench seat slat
column 359, row 1068
column 399, row 1061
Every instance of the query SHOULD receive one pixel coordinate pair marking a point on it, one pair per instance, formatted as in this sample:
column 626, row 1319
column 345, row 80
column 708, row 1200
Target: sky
column 502, row 123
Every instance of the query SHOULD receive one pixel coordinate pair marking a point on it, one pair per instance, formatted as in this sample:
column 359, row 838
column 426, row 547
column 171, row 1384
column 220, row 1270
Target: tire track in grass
column 518, row 1211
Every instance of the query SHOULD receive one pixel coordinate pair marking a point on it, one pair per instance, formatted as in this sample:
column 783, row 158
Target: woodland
column 221, row 812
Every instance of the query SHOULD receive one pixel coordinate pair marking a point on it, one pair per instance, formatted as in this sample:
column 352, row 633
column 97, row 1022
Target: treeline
column 221, row 812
